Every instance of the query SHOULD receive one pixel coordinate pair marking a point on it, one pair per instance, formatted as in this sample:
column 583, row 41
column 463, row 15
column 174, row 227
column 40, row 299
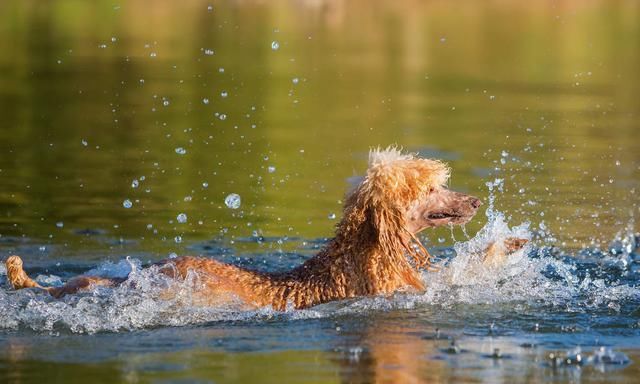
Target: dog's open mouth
column 443, row 215
column 443, row 218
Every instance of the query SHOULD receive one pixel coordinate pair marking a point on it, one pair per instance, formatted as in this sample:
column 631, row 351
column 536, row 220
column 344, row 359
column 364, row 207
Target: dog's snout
column 475, row 202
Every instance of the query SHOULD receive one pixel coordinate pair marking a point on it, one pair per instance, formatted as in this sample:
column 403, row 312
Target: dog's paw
column 513, row 244
column 16, row 275
column 496, row 253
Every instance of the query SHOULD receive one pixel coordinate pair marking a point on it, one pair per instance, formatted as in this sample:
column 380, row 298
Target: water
column 537, row 100
column 548, row 312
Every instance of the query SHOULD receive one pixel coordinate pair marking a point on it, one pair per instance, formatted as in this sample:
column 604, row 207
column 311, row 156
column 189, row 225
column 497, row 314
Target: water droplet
column 135, row 183
column 223, row 94
column 205, row 101
column 332, row 216
column 222, row 116
column 232, row 201
column 205, row 185
column 153, row 54
column 271, row 169
column 173, row 255
column 210, row 8
column 59, row 224
column 113, row 39
column 165, row 103
column 492, row 97
column 221, row 70
column 464, row 231
column 618, row 163
column 275, row 45
column 181, row 151
column 182, row 218
column 503, row 157
column 208, row 52
column 127, row 203
column 178, row 239
column 443, row 39
column 295, row 80
column 42, row 248
column 102, row 46
column 84, row 142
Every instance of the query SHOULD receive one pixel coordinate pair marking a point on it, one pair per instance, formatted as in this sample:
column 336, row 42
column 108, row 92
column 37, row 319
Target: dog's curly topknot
column 402, row 177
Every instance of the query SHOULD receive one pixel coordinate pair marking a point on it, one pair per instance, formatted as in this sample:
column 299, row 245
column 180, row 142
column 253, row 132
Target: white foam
column 139, row 303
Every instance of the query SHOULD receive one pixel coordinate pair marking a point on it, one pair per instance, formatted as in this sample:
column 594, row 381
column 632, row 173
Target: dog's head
column 415, row 189
column 401, row 195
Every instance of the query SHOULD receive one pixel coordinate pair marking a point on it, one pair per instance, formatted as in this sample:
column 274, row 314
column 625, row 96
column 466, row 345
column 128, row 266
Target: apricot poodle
column 375, row 250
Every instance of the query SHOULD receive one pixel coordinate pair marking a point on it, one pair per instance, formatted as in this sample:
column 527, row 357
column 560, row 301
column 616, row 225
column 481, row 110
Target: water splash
column 534, row 277
column 528, row 276
column 142, row 302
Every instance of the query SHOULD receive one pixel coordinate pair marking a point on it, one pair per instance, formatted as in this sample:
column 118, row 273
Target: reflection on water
column 125, row 127
column 390, row 348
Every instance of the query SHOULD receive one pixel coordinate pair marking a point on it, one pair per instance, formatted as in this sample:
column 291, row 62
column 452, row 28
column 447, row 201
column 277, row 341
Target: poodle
column 375, row 250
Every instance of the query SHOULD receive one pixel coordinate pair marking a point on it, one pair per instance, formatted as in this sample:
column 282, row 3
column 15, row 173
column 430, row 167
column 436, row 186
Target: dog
column 375, row 250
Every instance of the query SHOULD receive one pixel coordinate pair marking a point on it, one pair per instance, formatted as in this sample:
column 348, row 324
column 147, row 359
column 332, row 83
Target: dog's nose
column 475, row 203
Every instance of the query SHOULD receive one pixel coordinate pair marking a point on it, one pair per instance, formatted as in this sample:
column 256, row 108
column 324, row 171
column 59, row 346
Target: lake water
column 124, row 126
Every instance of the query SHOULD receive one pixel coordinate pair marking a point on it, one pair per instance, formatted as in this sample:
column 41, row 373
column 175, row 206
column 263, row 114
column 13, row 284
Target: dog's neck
column 350, row 265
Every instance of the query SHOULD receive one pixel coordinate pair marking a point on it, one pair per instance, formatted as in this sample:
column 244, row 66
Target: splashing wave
column 532, row 276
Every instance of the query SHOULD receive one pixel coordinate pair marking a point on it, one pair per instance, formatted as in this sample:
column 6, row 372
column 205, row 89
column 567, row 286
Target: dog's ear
column 369, row 220
column 391, row 240
column 387, row 220
column 388, row 192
